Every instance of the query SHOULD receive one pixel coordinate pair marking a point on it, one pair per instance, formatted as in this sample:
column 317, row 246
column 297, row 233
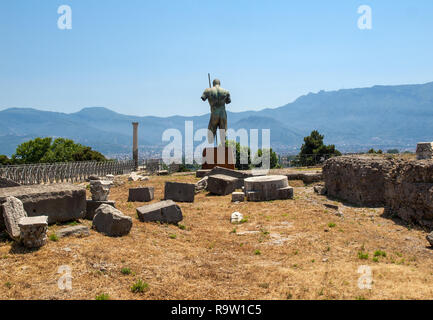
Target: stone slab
column 141, row 194
column 220, row 184
column 13, row 212
column 60, row 202
column 180, row 192
column 165, row 211
column 79, row 231
column 201, row 173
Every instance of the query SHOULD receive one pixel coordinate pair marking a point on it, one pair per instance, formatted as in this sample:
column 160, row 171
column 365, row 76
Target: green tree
column 314, row 150
column 44, row 150
column 267, row 155
column 4, row 160
column 243, row 155
column 393, row 151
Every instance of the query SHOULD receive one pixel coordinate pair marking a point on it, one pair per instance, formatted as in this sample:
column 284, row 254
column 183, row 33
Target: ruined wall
column 404, row 188
column 359, row 180
column 409, row 192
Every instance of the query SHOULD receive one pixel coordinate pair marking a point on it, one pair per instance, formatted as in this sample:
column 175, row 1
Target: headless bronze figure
column 218, row 98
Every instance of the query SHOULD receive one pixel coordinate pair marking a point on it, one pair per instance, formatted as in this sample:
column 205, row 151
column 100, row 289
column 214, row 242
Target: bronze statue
column 218, row 98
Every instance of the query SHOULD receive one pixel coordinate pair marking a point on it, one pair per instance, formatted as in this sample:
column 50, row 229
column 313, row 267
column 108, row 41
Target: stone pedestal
column 218, row 156
column 33, row 231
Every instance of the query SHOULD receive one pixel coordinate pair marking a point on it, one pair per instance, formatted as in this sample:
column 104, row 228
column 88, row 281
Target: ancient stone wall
column 409, row 192
column 359, row 180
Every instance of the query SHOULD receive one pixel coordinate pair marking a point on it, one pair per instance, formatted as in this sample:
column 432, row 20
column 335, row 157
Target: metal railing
column 30, row 174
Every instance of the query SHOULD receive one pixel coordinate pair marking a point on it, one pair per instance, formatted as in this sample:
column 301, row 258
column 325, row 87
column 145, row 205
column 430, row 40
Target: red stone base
column 218, row 157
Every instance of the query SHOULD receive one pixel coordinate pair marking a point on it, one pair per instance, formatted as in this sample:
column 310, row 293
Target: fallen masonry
column 13, row 212
column 79, row 231
column 93, row 205
column 221, row 184
column 7, row 183
column 201, row 185
column 141, row 194
column 165, row 211
column 33, row 231
column 180, row 192
column 111, row 222
column 424, row 150
column 100, row 189
column 238, row 197
column 267, row 188
column 60, row 202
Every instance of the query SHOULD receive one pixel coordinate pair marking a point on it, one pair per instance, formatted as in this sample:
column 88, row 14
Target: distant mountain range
column 352, row 119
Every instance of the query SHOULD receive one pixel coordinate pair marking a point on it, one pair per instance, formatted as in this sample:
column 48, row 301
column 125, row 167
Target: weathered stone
column 134, row 176
column 202, row 173
column 357, row 179
column 109, row 177
column 13, row 211
column 201, row 185
column 60, row 202
column 429, row 238
column 141, row 194
column 221, row 184
column 320, row 190
column 91, row 178
column 310, row 177
column 238, row 197
column 236, row 217
column 180, row 192
column 424, row 150
column 78, row 231
column 239, row 175
column 7, row 183
column 162, row 173
column 165, row 211
column 267, row 188
column 93, row 205
column 331, row 206
column 285, row 193
column 100, row 189
column 111, row 221
column 409, row 192
column 33, row 231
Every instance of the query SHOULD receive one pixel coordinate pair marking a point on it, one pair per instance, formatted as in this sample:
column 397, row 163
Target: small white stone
column 236, row 217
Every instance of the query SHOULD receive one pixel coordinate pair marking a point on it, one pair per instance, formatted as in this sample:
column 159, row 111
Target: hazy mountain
column 353, row 119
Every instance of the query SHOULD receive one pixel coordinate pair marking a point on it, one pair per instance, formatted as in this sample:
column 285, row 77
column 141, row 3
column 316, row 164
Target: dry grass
column 286, row 250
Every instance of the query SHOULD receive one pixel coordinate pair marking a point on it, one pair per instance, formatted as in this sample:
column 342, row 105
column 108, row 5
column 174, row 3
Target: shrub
column 139, row 287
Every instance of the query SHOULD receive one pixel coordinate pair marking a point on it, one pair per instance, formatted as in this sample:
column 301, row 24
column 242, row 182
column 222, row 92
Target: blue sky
column 152, row 57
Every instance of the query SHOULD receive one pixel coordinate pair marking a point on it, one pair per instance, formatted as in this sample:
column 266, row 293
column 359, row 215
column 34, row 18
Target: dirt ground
column 292, row 249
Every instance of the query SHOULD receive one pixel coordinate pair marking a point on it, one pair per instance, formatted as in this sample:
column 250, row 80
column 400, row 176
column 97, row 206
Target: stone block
column 424, row 150
column 93, row 205
column 238, row 197
column 180, row 192
column 165, row 211
column 141, row 194
column 111, row 221
column 33, row 231
column 100, row 189
column 285, row 193
column 78, row 231
column 201, row 173
column 221, row 184
column 13, row 212
column 60, row 202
